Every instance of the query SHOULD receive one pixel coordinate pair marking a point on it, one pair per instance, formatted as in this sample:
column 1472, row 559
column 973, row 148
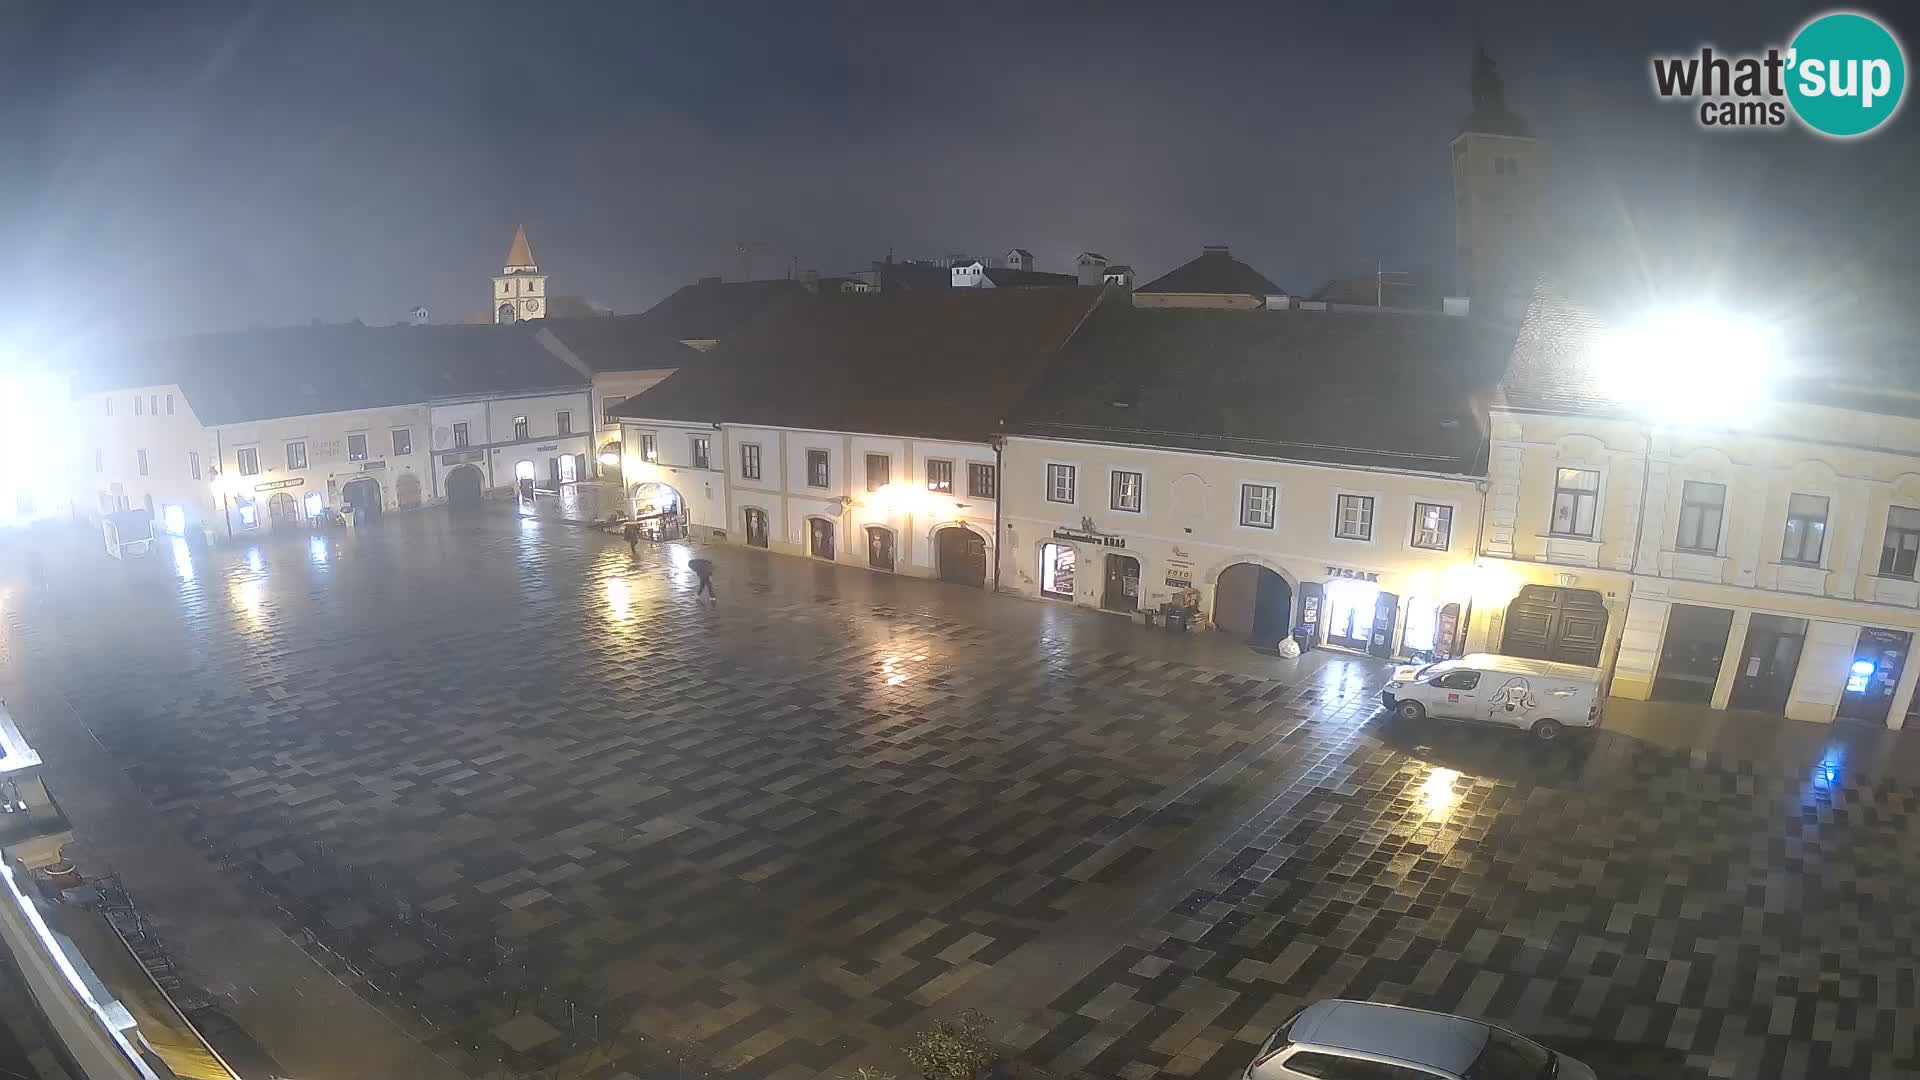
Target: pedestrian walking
column 703, row 568
column 632, row 532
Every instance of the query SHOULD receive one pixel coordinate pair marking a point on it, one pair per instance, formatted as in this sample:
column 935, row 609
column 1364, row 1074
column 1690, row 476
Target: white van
column 1534, row 695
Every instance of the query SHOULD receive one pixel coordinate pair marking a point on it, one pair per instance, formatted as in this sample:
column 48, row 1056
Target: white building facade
column 1364, row 559
column 143, row 447
column 283, row 472
column 528, row 441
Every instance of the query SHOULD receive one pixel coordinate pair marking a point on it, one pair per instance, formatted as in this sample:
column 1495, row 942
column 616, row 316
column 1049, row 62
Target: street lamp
column 1689, row 363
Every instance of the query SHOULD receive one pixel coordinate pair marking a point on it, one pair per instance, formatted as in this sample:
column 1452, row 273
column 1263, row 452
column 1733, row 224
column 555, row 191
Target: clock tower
column 520, row 289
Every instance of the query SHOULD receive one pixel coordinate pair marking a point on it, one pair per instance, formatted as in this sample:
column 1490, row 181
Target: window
column 749, row 461
column 109, row 406
column 100, row 461
column 981, row 481
column 459, row 435
column 879, row 471
column 169, row 404
column 1902, row 546
column 402, row 442
column 1458, row 680
column 139, row 405
column 1257, row 502
column 520, row 428
column 939, row 475
column 1806, row 535
column 141, row 456
column 248, row 459
column 1510, row 1057
column 1126, row 490
column 702, row 452
column 297, row 455
column 1354, row 518
column 153, row 404
column 1060, row 483
column 1701, row 507
column 1576, row 492
column 193, row 463
column 357, row 447
column 563, row 422
column 1432, row 526
column 818, row 473
column 649, row 447
column 1056, row 571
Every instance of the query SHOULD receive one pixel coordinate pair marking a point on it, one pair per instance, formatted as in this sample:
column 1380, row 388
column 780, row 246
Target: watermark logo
column 1843, row 75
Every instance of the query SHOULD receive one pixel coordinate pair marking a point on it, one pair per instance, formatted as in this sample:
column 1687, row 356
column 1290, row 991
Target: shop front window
column 1056, row 571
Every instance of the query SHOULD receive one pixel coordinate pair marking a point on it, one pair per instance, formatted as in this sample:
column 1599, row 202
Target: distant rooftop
column 1214, row 271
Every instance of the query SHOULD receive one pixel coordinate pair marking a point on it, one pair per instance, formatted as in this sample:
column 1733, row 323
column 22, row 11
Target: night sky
column 225, row 166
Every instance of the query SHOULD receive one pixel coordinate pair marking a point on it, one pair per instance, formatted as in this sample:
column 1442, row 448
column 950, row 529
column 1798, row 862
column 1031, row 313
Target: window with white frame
column 981, row 480
column 520, row 428
column 193, row 463
column 879, row 471
column 1432, row 526
column 749, row 461
column 1806, row 534
column 357, row 446
column 1576, row 495
column 939, row 475
column 1060, row 483
column 1126, row 488
column 297, row 454
column 649, row 447
column 702, row 452
column 1702, row 505
column 141, row 456
column 459, row 435
column 247, row 459
column 1353, row 519
column 402, row 442
column 1901, row 548
column 563, row 422
column 1257, row 504
column 819, row 469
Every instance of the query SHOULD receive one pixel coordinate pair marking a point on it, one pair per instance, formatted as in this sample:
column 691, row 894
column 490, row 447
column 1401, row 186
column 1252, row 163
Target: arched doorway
column 282, row 510
column 820, row 538
column 1546, row 622
column 1253, row 602
column 362, row 494
column 879, row 547
column 504, row 313
column 464, row 484
column 523, row 479
column 961, row 555
column 407, row 491
column 1122, row 592
column 659, row 510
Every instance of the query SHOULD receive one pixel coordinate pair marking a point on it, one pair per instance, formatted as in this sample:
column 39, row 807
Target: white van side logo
column 1515, row 696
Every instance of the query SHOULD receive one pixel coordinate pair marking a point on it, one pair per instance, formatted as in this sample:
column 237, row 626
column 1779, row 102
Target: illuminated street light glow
column 1693, row 362
column 609, row 459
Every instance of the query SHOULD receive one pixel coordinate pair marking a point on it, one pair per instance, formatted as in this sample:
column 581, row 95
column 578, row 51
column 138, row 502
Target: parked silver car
column 1362, row 1040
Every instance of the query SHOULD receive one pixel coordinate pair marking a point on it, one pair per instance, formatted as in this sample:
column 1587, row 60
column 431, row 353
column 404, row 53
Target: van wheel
column 1409, row 710
column 1546, row 730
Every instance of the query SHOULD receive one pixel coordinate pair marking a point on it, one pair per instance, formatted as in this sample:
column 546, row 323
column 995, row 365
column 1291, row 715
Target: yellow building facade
column 1767, row 564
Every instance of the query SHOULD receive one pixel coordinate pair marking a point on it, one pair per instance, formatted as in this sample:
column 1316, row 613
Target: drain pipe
column 999, row 484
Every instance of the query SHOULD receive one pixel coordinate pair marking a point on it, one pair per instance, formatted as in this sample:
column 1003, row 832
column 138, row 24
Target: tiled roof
column 710, row 310
column 621, row 343
column 295, row 371
column 1214, row 271
column 940, row 364
column 1381, row 389
column 1006, row 278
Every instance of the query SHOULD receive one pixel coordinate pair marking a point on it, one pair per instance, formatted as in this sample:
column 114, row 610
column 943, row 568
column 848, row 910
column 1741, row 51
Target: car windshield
column 1510, row 1057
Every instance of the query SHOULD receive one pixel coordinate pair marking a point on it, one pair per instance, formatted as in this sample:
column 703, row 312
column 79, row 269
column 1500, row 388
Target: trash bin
column 1177, row 620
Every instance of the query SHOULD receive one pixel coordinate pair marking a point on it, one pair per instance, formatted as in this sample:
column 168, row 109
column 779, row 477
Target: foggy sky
column 220, row 166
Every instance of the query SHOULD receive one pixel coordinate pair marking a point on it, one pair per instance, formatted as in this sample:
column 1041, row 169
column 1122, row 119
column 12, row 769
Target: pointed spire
column 520, row 256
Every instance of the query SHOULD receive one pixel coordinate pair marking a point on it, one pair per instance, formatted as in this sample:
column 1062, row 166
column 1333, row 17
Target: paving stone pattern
column 521, row 787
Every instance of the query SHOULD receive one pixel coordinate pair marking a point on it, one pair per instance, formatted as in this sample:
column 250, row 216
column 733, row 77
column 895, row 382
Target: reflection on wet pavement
column 511, row 760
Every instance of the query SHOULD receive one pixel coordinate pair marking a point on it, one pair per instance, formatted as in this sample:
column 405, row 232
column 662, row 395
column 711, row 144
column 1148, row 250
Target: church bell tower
column 520, row 289
column 1499, row 190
